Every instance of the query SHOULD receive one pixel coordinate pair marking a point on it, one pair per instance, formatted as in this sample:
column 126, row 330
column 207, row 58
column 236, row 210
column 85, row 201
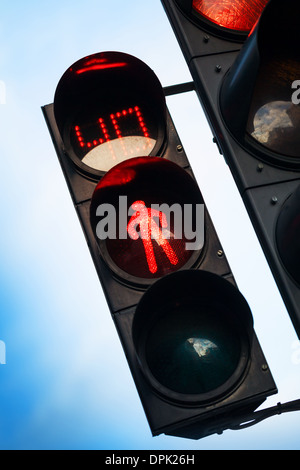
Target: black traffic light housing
column 239, row 90
column 139, row 303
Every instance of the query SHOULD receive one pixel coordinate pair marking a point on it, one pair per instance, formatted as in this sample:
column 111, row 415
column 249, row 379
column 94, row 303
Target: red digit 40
column 115, row 122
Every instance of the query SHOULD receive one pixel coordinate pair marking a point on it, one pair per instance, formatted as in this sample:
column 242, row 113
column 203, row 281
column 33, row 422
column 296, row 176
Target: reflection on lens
column 191, row 351
column 108, row 154
column 276, row 126
column 274, row 120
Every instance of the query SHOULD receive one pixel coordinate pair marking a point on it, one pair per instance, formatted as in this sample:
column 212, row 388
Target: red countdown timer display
column 140, row 199
column 235, row 15
column 114, row 121
column 110, row 107
column 113, row 137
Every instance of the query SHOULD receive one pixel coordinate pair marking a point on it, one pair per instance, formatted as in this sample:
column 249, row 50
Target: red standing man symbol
column 150, row 231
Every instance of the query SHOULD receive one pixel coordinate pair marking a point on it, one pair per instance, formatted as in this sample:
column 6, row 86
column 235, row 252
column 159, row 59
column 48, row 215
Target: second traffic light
column 186, row 330
column 244, row 59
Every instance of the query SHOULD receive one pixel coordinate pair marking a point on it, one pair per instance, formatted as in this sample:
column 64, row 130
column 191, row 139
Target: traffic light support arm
column 258, row 416
column 179, row 88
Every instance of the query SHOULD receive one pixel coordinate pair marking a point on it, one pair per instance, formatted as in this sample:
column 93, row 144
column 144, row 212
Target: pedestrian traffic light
column 186, row 330
column 160, row 236
column 244, row 59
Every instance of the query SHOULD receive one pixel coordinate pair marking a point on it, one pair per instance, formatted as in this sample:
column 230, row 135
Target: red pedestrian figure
column 149, row 230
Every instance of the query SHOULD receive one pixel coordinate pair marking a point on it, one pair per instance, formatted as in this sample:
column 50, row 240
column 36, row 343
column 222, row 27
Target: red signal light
column 148, row 197
column 110, row 107
column 236, row 15
column 151, row 231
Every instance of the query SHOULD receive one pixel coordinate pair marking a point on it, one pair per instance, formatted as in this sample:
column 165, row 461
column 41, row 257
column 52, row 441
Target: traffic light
column 186, row 330
column 244, row 59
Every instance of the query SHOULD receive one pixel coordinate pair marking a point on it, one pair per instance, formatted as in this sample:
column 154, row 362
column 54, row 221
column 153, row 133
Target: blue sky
column 66, row 383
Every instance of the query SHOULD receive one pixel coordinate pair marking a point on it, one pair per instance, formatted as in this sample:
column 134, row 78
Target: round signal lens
column 192, row 344
column 147, row 213
column 190, row 350
column 109, row 107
